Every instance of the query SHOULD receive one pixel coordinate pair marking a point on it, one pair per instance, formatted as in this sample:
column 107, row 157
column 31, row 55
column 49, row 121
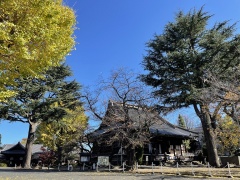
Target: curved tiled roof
column 138, row 115
column 14, row 149
column 20, row 148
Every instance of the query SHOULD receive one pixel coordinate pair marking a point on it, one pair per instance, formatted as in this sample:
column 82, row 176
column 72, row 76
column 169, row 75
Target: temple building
column 14, row 154
column 162, row 136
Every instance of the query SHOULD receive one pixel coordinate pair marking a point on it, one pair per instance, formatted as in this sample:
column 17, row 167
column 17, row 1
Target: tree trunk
column 210, row 136
column 59, row 154
column 29, row 144
column 60, row 148
column 131, row 157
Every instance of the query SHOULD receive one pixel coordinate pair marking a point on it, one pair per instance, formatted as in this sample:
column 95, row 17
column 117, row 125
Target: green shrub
column 3, row 165
column 139, row 154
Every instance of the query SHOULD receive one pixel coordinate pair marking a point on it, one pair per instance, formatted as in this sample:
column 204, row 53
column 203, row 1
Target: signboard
column 103, row 160
column 84, row 159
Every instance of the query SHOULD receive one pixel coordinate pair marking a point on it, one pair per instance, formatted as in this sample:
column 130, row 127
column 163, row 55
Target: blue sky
column 113, row 34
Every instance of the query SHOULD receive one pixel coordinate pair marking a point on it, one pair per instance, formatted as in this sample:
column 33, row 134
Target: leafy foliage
column 178, row 58
column 65, row 132
column 47, row 156
column 181, row 121
column 179, row 62
column 229, row 135
column 36, row 97
column 3, row 165
column 34, row 35
column 41, row 100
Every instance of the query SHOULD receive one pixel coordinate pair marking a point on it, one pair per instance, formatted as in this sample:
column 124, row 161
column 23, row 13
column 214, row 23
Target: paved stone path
column 12, row 174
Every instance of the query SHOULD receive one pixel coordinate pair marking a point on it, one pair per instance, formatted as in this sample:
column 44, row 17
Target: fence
column 177, row 169
column 190, row 170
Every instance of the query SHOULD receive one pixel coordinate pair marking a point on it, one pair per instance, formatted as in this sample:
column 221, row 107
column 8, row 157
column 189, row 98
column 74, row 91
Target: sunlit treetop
column 67, row 130
column 34, row 35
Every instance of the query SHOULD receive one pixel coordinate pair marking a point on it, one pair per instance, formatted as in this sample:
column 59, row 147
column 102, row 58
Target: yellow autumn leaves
column 34, row 35
column 64, row 131
column 228, row 133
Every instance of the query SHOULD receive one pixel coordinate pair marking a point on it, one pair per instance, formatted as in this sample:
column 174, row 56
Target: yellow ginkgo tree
column 228, row 132
column 34, row 35
column 63, row 135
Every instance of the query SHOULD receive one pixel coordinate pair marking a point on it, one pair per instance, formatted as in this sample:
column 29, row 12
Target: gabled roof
column 14, row 149
column 166, row 130
column 37, row 148
column 7, row 146
column 138, row 115
column 20, row 148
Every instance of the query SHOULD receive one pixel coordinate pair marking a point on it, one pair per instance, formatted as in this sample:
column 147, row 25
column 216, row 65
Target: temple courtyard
column 21, row 174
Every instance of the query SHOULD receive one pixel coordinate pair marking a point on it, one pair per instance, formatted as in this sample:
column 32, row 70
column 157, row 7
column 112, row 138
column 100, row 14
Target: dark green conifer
column 178, row 63
column 181, row 121
column 41, row 99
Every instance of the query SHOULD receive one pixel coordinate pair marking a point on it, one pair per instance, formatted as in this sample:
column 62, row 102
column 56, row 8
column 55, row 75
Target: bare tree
column 225, row 92
column 122, row 104
column 190, row 123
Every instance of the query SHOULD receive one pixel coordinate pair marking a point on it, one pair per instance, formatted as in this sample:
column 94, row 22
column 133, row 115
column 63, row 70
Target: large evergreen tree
column 178, row 61
column 40, row 100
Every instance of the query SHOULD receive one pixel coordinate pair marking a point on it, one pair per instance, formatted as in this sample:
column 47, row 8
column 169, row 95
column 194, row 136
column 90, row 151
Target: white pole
column 152, row 168
column 209, row 172
column 121, row 155
column 97, row 167
column 161, row 167
column 229, row 171
column 123, row 167
column 178, row 173
column 137, row 167
column 192, row 170
column 58, row 166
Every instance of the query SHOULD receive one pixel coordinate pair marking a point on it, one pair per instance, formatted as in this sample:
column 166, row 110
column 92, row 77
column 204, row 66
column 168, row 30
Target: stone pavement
column 21, row 174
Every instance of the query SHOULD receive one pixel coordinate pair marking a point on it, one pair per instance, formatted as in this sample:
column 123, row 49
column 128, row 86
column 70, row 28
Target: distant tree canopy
column 180, row 59
column 34, row 35
column 181, row 121
column 187, row 123
column 228, row 133
column 182, row 124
